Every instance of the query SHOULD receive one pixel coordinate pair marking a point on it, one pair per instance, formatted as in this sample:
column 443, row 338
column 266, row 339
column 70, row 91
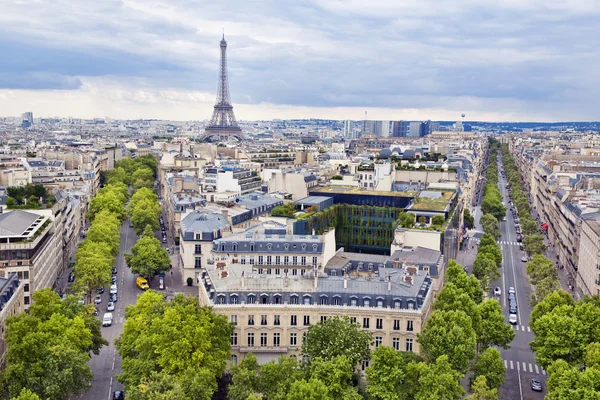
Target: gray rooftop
column 16, row 222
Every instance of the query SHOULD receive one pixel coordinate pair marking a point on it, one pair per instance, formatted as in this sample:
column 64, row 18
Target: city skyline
column 525, row 61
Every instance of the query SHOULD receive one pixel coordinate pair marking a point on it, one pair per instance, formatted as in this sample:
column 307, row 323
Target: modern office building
column 11, row 303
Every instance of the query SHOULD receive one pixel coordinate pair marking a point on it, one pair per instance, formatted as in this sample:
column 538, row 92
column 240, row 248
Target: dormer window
column 303, row 246
column 234, row 247
column 269, row 246
column 286, row 246
column 315, row 247
column 252, row 246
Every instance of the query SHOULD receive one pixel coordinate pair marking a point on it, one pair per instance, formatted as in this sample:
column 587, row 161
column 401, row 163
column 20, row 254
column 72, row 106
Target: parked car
column 512, row 308
column 504, row 219
column 519, row 238
column 114, row 270
column 113, row 297
column 98, row 299
column 113, row 289
column 536, row 385
column 498, row 291
column 71, row 277
column 107, row 319
column 512, row 318
column 524, row 259
column 110, row 306
column 118, row 395
column 100, row 290
column 113, row 280
column 511, row 290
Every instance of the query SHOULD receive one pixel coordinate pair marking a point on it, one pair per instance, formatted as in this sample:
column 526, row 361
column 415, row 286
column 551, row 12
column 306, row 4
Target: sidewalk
column 566, row 282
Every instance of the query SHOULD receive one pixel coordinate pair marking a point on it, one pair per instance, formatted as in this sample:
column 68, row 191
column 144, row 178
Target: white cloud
column 333, row 58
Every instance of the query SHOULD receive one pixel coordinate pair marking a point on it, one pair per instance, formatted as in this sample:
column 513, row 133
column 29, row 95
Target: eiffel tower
column 223, row 124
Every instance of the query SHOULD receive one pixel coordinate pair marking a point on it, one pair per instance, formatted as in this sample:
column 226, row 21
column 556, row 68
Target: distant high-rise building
column 433, row 126
column 400, row 128
column 348, row 129
column 415, row 129
column 27, row 119
column 371, row 128
column 386, row 129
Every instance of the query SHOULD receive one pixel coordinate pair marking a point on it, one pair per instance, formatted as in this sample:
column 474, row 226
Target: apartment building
column 272, row 286
column 231, row 179
column 11, row 303
column 31, row 245
column 588, row 277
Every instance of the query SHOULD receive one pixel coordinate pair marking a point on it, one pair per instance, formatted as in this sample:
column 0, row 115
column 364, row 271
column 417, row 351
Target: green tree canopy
column 566, row 382
column 48, row 349
column 109, row 200
column 449, row 333
column 489, row 364
column 469, row 284
column 146, row 212
column 337, row 337
column 534, row 244
column 494, row 251
column 493, row 330
column 106, row 230
column 487, row 240
column 186, row 344
column 481, row 391
column 490, row 225
column 27, row 394
column 93, row 267
column 147, row 257
column 142, row 177
column 469, row 219
column 485, row 269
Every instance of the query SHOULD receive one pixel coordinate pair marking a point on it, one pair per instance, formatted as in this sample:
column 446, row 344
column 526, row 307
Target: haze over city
column 506, row 61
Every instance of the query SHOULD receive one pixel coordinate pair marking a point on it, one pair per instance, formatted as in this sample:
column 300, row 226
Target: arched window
column 323, row 300
column 315, row 246
column 303, row 246
column 234, row 247
column 252, row 246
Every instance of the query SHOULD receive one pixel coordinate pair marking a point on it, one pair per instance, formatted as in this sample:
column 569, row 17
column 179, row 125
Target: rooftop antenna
column 223, row 33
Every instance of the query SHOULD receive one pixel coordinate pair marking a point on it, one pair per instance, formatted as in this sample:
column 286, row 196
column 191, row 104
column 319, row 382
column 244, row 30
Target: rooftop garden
column 429, row 204
column 29, row 197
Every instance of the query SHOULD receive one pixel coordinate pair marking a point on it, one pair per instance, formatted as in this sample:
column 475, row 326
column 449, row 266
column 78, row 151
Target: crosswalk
column 521, row 328
column 507, row 243
column 524, row 367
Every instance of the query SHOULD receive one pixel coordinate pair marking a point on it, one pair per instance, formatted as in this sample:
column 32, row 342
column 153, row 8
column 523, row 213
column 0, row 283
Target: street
column 519, row 359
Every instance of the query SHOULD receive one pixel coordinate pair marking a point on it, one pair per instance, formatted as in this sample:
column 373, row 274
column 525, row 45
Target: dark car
column 519, row 238
column 114, row 270
column 512, row 308
column 536, row 385
column 113, row 297
column 118, row 395
column 71, row 277
column 113, row 280
column 100, row 290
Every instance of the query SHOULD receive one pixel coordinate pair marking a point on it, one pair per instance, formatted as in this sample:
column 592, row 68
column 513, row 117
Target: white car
column 512, row 318
column 524, row 259
column 511, row 290
column 498, row 291
column 98, row 299
column 110, row 306
column 113, row 289
column 107, row 319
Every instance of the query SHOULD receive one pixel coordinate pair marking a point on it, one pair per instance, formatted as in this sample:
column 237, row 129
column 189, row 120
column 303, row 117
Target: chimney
column 345, row 280
column 389, row 283
column 243, row 280
column 285, row 280
column 396, row 263
column 316, row 278
column 408, row 279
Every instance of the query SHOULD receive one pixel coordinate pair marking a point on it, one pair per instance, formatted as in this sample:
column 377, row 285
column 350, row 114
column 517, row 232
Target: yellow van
column 142, row 283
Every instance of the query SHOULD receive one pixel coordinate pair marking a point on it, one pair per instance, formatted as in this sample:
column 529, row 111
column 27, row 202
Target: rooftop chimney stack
column 316, row 277
column 389, row 283
column 345, row 280
column 243, row 280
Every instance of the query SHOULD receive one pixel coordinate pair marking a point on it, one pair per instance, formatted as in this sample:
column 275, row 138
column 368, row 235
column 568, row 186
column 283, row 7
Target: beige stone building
column 273, row 286
column 588, row 278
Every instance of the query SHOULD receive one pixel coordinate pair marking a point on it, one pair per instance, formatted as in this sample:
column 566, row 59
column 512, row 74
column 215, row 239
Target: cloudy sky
column 507, row 60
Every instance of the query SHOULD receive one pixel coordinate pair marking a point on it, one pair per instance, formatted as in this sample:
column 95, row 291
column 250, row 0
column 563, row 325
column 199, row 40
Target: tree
column 469, row 219
column 438, row 220
column 544, row 288
column 540, row 268
column 492, row 204
column 276, row 377
column 313, row 389
column 545, row 306
column 142, row 177
column 570, row 383
column 534, row 244
column 493, row 330
column 337, row 337
column 481, row 391
column 146, row 212
column 487, row 240
column 245, row 380
column 27, row 394
column 389, row 377
column 111, row 201
column 336, row 374
column 489, row 223
column 485, row 269
column 178, row 339
column 528, row 226
column 406, row 220
column 106, row 230
column 48, row 349
column 592, row 355
column 558, row 335
column 489, row 364
column 449, row 333
column 493, row 251
column 469, row 284
column 451, row 298
column 118, row 174
column 147, row 257
column 93, row 267
column 440, row 381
